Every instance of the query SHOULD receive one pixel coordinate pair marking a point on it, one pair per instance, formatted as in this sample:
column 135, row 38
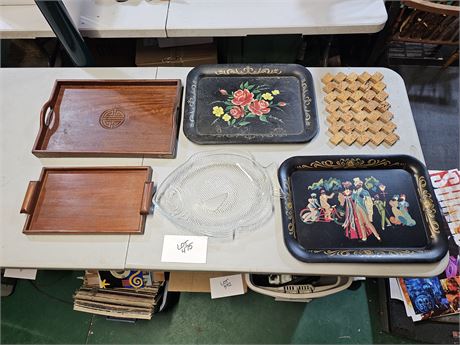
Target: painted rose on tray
column 259, row 107
column 247, row 104
column 237, row 112
column 242, row 97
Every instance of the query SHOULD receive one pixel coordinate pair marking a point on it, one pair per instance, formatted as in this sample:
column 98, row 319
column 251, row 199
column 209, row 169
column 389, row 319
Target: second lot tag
column 226, row 286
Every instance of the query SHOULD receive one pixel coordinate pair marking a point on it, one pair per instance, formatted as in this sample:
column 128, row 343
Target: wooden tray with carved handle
column 94, row 200
column 110, row 118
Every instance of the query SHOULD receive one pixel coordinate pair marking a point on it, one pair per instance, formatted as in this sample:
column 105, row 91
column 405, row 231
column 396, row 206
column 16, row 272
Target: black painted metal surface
column 250, row 104
column 360, row 209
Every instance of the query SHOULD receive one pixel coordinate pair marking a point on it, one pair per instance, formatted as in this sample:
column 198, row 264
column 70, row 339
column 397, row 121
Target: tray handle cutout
column 30, row 198
column 46, row 114
column 147, row 198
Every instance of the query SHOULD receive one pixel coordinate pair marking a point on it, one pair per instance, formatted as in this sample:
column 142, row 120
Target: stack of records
column 120, row 294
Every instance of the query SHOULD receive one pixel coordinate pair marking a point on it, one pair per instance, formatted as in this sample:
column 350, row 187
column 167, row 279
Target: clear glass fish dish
column 217, row 194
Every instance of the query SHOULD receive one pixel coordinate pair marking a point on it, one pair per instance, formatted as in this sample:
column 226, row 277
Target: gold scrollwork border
column 289, row 207
column 191, row 101
column 428, row 206
column 307, row 101
column 248, row 70
column 350, row 163
column 348, row 252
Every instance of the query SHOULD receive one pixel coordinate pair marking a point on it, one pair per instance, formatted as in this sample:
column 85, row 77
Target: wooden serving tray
column 379, row 209
column 110, row 118
column 109, row 200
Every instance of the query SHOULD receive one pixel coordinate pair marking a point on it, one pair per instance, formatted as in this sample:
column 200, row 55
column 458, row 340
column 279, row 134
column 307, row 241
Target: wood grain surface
column 107, row 118
column 89, row 200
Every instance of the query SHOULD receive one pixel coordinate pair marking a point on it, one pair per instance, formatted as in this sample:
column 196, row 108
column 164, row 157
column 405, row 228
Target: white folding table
column 191, row 18
column 262, row 17
column 23, row 93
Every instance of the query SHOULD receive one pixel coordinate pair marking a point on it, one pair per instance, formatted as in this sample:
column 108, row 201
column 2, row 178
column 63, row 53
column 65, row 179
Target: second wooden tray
column 114, row 200
column 109, row 118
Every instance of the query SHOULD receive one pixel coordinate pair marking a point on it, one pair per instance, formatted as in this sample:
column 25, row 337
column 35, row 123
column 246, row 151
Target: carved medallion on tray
column 112, row 118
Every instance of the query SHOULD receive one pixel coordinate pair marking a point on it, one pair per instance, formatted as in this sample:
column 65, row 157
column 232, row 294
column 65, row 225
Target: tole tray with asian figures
column 250, row 104
column 360, row 209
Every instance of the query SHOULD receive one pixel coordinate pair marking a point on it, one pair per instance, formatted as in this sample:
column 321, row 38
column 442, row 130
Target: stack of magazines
column 119, row 294
column 427, row 298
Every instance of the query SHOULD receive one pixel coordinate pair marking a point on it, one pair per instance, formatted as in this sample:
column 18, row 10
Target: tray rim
column 59, row 83
column 310, row 122
column 141, row 227
column 434, row 223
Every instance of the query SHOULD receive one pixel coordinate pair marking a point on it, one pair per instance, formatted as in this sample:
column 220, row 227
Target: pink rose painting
column 242, row 97
column 237, row 112
column 259, row 107
column 247, row 104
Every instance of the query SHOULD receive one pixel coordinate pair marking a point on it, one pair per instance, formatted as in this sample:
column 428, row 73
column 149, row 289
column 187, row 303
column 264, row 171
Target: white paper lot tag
column 185, row 249
column 20, row 273
column 226, row 286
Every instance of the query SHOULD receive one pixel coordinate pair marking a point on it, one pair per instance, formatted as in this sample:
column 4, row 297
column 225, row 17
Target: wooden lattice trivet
column 358, row 109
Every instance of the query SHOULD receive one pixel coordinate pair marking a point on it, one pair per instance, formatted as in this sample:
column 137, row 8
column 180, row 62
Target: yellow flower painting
column 226, row 117
column 267, row 96
column 218, row 111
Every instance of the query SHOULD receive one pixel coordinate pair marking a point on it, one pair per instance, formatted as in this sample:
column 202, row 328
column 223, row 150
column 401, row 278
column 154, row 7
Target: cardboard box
column 195, row 281
column 183, row 41
column 184, row 56
column 159, row 276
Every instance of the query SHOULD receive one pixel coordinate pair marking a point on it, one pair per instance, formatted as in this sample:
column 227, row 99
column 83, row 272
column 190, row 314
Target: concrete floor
column 31, row 316
column 350, row 317
column 434, row 98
